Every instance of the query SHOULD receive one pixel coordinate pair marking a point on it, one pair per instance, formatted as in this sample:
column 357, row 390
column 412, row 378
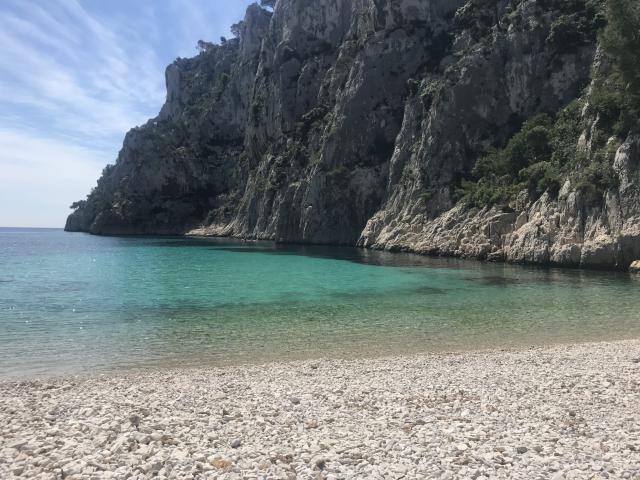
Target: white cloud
column 94, row 83
column 74, row 77
column 40, row 176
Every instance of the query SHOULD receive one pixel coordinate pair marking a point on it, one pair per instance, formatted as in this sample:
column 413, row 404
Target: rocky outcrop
column 351, row 122
column 569, row 230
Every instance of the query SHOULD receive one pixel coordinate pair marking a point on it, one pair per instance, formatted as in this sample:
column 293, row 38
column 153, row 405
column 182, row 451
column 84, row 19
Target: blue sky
column 75, row 75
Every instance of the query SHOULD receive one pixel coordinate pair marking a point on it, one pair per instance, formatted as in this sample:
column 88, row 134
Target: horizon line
column 32, row 228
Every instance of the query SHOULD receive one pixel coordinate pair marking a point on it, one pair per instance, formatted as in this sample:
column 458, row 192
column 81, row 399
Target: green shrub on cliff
column 567, row 129
column 523, row 163
column 530, row 145
column 538, row 158
column 541, row 177
column 577, row 25
column 597, row 178
column 615, row 96
column 486, row 191
column 544, row 151
column 621, row 40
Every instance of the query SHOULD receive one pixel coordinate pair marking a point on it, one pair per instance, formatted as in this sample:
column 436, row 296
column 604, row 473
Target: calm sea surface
column 76, row 304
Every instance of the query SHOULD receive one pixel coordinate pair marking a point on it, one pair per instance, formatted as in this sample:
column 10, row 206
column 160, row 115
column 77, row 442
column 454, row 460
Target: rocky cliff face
column 569, row 230
column 352, row 122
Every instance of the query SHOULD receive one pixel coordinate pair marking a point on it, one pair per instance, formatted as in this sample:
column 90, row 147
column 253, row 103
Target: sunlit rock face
column 352, row 122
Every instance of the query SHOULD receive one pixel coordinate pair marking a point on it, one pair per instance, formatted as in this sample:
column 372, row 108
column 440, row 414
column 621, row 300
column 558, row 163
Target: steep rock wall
column 352, row 121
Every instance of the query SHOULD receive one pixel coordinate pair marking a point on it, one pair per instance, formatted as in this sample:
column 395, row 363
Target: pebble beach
column 561, row 412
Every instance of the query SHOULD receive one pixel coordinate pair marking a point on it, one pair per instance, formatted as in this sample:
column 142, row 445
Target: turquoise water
column 75, row 304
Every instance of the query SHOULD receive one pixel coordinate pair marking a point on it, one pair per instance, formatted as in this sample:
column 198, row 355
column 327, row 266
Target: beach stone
column 635, row 267
column 134, row 420
column 18, row 444
column 461, row 447
column 318, row 462
column 573, row 406
column 142, row 438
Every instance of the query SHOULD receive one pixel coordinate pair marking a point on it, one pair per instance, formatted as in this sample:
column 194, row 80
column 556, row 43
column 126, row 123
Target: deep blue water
column 73, row 303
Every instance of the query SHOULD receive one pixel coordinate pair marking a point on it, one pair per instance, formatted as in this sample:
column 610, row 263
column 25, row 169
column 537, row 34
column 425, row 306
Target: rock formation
column 354, row 121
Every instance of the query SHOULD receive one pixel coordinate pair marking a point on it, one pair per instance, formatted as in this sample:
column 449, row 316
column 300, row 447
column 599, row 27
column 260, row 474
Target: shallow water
column 76, row 304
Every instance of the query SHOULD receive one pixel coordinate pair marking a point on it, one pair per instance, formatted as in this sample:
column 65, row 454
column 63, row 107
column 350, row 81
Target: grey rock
column 350, row 122
column 134, row 419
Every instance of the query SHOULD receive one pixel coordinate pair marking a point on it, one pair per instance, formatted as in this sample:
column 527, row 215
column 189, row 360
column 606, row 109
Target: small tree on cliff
column 204, row 46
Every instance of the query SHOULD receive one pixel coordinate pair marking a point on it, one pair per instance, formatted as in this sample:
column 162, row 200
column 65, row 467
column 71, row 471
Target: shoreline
column 393, row 251
column 562, row 411
column 293, row 361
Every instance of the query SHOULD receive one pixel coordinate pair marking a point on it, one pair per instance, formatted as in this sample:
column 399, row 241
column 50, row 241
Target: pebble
column 561, row 413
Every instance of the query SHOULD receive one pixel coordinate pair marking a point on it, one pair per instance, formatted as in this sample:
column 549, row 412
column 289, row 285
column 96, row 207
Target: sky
column 75, row 76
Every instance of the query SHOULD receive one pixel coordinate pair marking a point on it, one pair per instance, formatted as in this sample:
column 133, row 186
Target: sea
column 76, row 304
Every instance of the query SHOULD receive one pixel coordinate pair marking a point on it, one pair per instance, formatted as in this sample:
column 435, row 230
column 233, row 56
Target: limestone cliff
column 354, row 121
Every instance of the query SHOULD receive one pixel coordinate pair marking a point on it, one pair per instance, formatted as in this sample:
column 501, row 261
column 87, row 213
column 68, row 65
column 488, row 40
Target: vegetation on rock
column 545, row 152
